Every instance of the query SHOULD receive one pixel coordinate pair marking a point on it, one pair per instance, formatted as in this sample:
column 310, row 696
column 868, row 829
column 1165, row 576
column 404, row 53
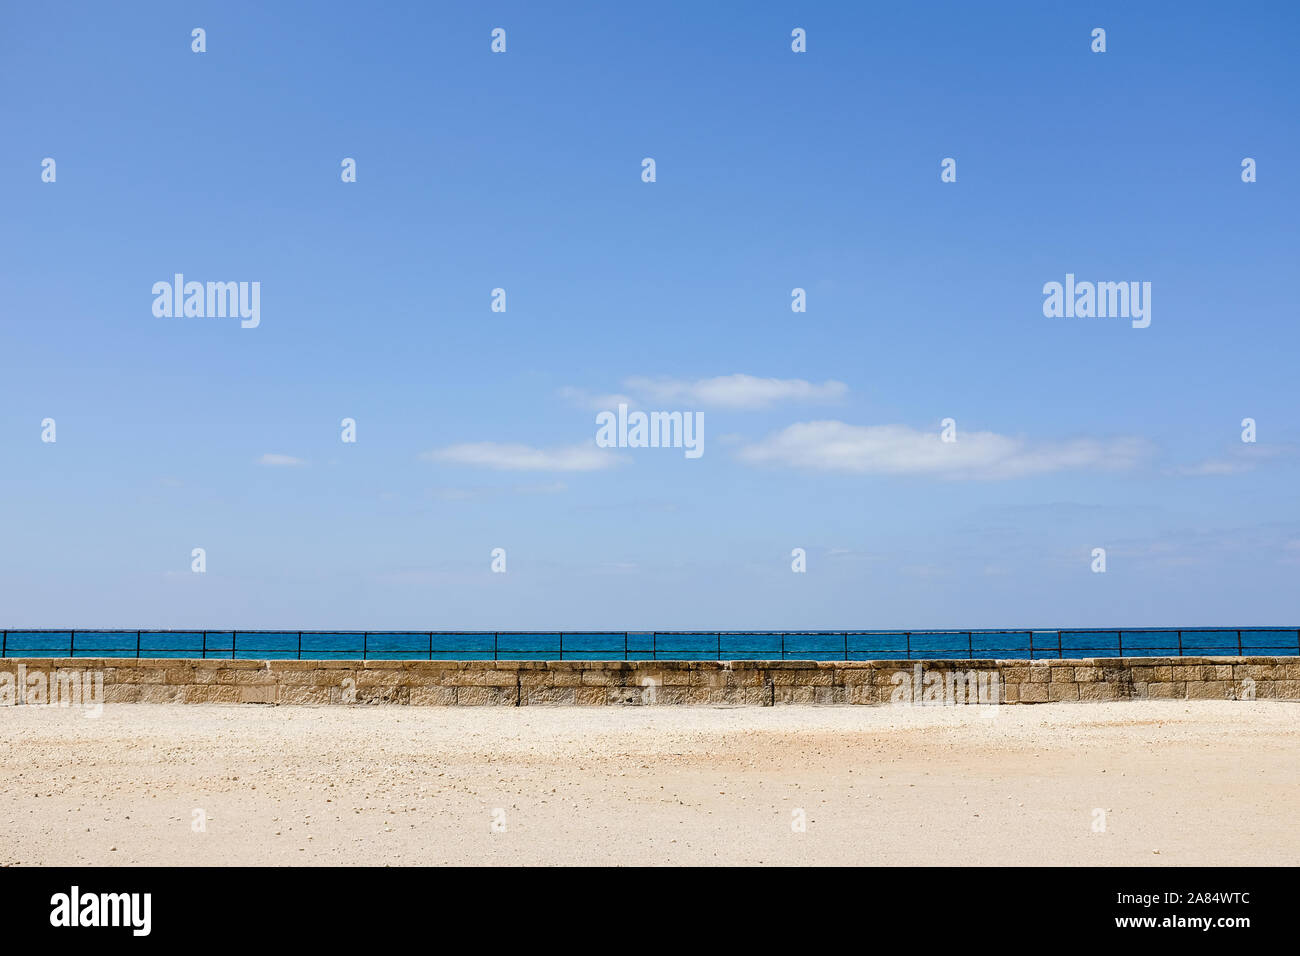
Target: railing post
column 1238, row 643
column 496, row 640
column 137, row 645
column 4, row 647
column 654, row 645
column 561, row 645
column 431, row 645
column 719, row 637
column 1120, row 635
column 205, row 646
column 1059, row 653
column 908, row 636
column 365, row 644
column 1180, row 643
column 970, row 645
column 846, row 645
column 72, row 644
column 234, row 642
column 1031, row 645
column 783, row 645
column 300, row 645
column 625, row 645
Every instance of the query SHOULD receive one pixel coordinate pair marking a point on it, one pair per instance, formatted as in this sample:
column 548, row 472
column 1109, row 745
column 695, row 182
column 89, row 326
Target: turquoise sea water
column 651, row 645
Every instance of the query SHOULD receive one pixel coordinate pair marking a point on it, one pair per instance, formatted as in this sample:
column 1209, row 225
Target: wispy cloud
column 1238, row 461
column 736, row 391
column 513, row 457
column 467, row 494
column 586, row 399
column 1214, row 466
column 280, row 461
column 901, row 450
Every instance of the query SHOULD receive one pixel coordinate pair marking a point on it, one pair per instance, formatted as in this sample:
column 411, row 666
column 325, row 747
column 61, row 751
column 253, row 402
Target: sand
column 1175, row 782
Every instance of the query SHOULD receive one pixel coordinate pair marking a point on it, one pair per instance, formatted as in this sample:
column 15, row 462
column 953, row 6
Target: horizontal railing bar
column 182, row 630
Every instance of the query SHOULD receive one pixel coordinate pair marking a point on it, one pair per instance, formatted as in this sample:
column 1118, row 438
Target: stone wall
column 756, row 683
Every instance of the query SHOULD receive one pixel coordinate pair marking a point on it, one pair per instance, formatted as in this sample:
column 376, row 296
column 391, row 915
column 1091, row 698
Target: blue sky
column 522, row 171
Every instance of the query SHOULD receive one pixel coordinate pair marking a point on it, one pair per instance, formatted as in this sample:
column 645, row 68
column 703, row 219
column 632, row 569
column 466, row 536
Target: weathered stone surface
column 660, row 683
column 384, row 678
column 1260, row 671
column 1094, row 691
column 433, row 696
column 708, row 678
column 787, row 694
column 383, row 695
column 334, row 678
column 861, row 694
column 1058, row 690
column 1211, row 690
column 256, row 693
column 1033, row 692
column 821, row 695
column 591, row 695
column 299, row 694
column 482, row 696
column 539, row 696
column 210, row 694
column 634, row 696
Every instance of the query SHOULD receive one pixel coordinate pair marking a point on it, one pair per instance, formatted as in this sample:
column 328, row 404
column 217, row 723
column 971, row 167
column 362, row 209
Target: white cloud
column 1239, row 460
column 737, row 391
column 508, row 457
column 585, row 399
column 900, row 450
column 467, row 494
column 1214, row 466
column 280, row 461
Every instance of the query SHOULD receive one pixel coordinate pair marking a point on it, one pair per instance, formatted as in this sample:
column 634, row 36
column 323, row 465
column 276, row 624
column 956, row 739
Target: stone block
column 1058, row 690
column 479, row 695
column 1034, row 692
column 432, row 696
column 255, row 693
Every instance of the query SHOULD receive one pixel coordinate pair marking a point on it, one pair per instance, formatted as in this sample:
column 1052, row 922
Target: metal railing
column 1028, row 644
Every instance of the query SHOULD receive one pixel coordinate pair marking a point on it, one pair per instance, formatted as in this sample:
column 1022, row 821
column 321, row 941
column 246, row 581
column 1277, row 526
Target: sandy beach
column 1152, row 782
